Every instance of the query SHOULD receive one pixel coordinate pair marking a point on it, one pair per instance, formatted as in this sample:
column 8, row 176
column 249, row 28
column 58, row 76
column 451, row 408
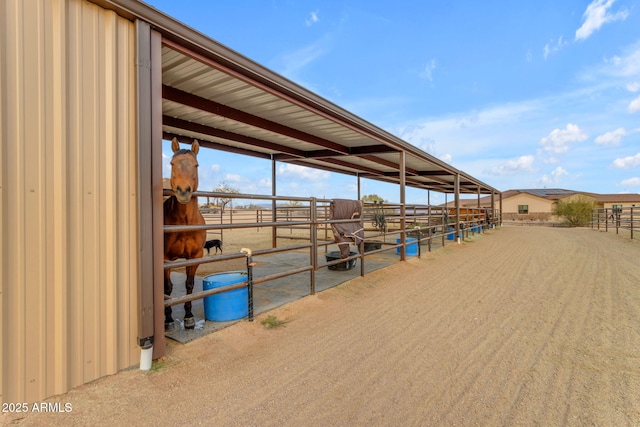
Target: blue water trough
column 229, row 305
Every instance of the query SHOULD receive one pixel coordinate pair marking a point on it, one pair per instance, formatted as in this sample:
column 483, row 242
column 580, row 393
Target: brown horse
column 182, row 209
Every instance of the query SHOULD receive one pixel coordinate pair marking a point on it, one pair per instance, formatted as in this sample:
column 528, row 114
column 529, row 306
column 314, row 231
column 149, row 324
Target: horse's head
column 184, row 171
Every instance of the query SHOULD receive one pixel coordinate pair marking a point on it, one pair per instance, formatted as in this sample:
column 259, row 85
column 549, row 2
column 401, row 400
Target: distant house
column 539, row 204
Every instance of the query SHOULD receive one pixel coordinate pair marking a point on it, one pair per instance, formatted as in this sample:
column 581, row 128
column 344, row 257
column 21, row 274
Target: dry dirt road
column 521, row 326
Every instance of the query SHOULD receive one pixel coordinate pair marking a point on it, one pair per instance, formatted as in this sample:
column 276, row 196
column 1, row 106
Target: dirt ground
column 520, row 326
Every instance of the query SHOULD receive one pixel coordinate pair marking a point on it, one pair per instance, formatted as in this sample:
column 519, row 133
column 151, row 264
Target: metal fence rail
column 618, row 218
column 422, row 224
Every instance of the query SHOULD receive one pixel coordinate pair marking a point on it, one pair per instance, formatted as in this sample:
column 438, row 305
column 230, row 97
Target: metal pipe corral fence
column 618, row 218
column 311, row 218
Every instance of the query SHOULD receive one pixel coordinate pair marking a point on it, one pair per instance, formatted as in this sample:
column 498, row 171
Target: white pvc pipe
column 146, row 355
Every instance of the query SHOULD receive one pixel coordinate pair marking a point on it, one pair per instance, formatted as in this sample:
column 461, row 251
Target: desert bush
column 575, row 212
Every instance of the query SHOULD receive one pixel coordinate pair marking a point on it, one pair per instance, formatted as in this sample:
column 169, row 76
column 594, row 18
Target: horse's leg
column 169, row 324
column 189, row 321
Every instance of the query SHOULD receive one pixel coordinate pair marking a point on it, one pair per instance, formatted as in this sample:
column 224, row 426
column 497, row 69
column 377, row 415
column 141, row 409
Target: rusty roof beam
column 390, row 178
column 351, row 166
column 372, row 149
column 264, row 79
column 316, row 155
column 194, row 101
column 361, row 152
column 324, row 163
column 435, row 173
column 231, row 136
column 215, row 145
column 432, row 178
column 444, row 187
column 319, row 154
column 388, row 163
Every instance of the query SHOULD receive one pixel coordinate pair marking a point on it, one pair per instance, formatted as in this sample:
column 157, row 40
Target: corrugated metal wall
column 68, row 188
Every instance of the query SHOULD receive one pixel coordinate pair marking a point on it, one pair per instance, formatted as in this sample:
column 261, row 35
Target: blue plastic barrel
column 412, row 248
column 229, row 305
column 451, row 233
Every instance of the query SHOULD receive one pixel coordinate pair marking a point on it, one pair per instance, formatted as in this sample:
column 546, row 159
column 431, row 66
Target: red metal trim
column 194, row 101
column 231, row 136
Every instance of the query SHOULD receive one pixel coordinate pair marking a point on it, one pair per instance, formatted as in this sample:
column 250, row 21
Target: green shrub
column 575, row 212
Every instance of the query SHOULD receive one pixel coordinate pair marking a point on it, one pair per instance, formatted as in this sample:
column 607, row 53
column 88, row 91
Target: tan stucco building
column 539, row 204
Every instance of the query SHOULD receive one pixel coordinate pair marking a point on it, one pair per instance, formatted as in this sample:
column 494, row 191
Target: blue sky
column 519, row 94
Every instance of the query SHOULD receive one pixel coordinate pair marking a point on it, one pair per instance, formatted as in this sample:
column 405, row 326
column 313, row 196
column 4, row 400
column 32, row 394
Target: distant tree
column 222, row 202
column 575, row 212
column 372, row 198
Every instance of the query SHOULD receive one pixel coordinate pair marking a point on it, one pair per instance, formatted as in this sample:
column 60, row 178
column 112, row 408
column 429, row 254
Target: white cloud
column 633, row 87
column 627, row 162
column 313, row 18
column 215, row 168
column 631, row 182
column 235, row 178
column 291, row 64
column 447, row 158
column 453, row 133
column 302, row 172
column 554, row 47
column 626, row 66
column 514, row 166
column 555, row 176
column 265, row 183
column 596, row 16
column 427, row 72
column 559, row 139
column 634, row 106
column 613, row 138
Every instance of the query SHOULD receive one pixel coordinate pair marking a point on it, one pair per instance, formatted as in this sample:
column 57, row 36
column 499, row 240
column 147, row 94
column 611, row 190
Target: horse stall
column 90, row 88
column 303, row 246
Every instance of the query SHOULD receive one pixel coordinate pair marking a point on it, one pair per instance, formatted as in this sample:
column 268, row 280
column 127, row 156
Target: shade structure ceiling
column 228, row 102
